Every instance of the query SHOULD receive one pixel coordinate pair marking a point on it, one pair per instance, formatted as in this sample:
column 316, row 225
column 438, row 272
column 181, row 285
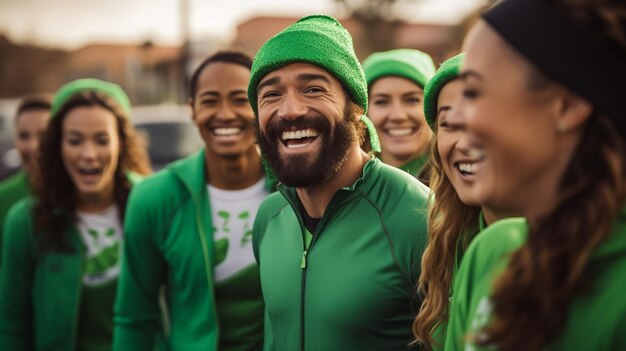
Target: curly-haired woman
column 61, row 252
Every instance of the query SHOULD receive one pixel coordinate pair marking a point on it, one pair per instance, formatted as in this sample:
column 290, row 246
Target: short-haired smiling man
column 339, row 247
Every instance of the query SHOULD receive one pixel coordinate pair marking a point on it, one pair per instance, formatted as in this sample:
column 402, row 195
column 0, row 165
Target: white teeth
column 476, row 153
column 295, row 146
column 226, row 131
column 400, row 131
column 467, row 167
column 299, row 134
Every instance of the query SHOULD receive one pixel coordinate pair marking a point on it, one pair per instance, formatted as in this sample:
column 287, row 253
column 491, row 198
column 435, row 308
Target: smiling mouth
column 227, row 131
column 400, row 132
column 89, row 174
column 293, row 139
column 468, row 167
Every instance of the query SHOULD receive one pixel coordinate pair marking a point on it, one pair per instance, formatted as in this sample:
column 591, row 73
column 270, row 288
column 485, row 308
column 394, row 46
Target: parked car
column 168, row 131
column 10, row 161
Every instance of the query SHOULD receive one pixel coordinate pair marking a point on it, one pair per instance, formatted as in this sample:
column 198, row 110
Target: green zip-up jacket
column 596, row 319
column 40, row 293
column 355, row 286
column 169, row 243
column 12, row 190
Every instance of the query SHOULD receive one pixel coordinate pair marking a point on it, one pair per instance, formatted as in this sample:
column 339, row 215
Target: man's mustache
column 276, row 127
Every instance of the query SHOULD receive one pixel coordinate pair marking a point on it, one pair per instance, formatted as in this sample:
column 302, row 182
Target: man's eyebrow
column 265, row 83
column 307, row 77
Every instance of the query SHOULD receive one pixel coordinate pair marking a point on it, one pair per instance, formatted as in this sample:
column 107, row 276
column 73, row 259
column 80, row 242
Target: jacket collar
column 192, row 172
column 371, row 167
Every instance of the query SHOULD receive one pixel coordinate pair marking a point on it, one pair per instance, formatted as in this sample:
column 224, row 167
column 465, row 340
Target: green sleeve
column 268, row 336
column 268, row 209
column 16, row 282
column 137, row 312
column 485, row 259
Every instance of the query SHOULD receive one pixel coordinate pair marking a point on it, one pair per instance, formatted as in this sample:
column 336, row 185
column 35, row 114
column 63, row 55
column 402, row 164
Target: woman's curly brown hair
column 53, row 187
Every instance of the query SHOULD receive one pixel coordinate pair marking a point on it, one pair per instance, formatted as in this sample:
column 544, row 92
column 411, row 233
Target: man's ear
column 574, row 111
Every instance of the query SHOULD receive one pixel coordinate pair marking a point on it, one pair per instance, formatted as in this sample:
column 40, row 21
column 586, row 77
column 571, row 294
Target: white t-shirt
column 233, row 216
column 101, row 233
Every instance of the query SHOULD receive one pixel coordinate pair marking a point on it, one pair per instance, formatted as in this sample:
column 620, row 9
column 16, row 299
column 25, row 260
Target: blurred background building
column 150, row 47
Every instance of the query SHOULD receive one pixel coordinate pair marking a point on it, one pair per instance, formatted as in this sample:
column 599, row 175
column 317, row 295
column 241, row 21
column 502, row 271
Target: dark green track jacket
column 354, row 288
column 169, row 242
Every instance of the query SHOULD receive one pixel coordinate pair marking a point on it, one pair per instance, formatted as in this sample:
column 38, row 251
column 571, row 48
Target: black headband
column 565, row 52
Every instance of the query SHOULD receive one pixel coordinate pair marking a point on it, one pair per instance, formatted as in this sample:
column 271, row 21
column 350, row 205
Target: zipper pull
column 303, row 263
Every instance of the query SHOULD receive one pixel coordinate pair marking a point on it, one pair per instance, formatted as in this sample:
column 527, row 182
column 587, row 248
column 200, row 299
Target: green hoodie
column 12, row 190
column 169, row 243
column 354, row 287
column 596, row 320
column 40, row 293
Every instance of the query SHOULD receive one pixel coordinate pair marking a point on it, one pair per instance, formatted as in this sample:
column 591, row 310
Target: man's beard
column 305, row 170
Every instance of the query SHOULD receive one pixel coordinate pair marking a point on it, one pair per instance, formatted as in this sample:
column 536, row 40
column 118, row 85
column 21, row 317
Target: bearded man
column 340, row 245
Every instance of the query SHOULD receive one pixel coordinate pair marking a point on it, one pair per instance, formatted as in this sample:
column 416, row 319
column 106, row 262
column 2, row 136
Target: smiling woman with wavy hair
column 455, row 215
column 61, row 252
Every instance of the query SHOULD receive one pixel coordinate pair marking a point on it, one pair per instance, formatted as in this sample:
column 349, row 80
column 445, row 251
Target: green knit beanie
column 411, row 64
column 448, row 71
column 111, row 90
column 318, row 40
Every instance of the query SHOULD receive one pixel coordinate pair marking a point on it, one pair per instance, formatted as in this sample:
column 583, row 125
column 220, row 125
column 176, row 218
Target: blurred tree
column 378, row 20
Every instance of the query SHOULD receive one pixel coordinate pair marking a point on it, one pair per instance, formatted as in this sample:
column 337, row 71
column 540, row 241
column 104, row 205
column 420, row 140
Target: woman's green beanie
column 111, row 90
column 414, row 65
column 448, row 71
column 318, row 40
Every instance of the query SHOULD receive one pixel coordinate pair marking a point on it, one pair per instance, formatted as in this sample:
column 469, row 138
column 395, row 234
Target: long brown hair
column 54, row 189
column 451, row 223
column 533, row 295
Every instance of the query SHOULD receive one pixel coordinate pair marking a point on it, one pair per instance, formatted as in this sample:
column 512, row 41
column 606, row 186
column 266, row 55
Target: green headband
column 318, row 40
column 411, row 64
column 111, row 90
column 448, row 71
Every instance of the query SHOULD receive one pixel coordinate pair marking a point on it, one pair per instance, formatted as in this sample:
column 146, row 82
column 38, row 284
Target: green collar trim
column 192, row 172
column 415, row 166
column 370, row 166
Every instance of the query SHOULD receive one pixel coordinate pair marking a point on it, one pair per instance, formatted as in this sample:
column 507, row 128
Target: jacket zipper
column 303, row 263
column 208, row 271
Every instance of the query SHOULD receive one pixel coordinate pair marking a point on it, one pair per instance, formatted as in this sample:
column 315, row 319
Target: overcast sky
column 73, row 23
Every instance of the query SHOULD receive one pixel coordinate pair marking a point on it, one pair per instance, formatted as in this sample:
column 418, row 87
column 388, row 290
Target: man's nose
column 292, row 107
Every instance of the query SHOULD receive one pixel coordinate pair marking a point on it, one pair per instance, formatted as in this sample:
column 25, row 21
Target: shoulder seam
column 404, row 274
